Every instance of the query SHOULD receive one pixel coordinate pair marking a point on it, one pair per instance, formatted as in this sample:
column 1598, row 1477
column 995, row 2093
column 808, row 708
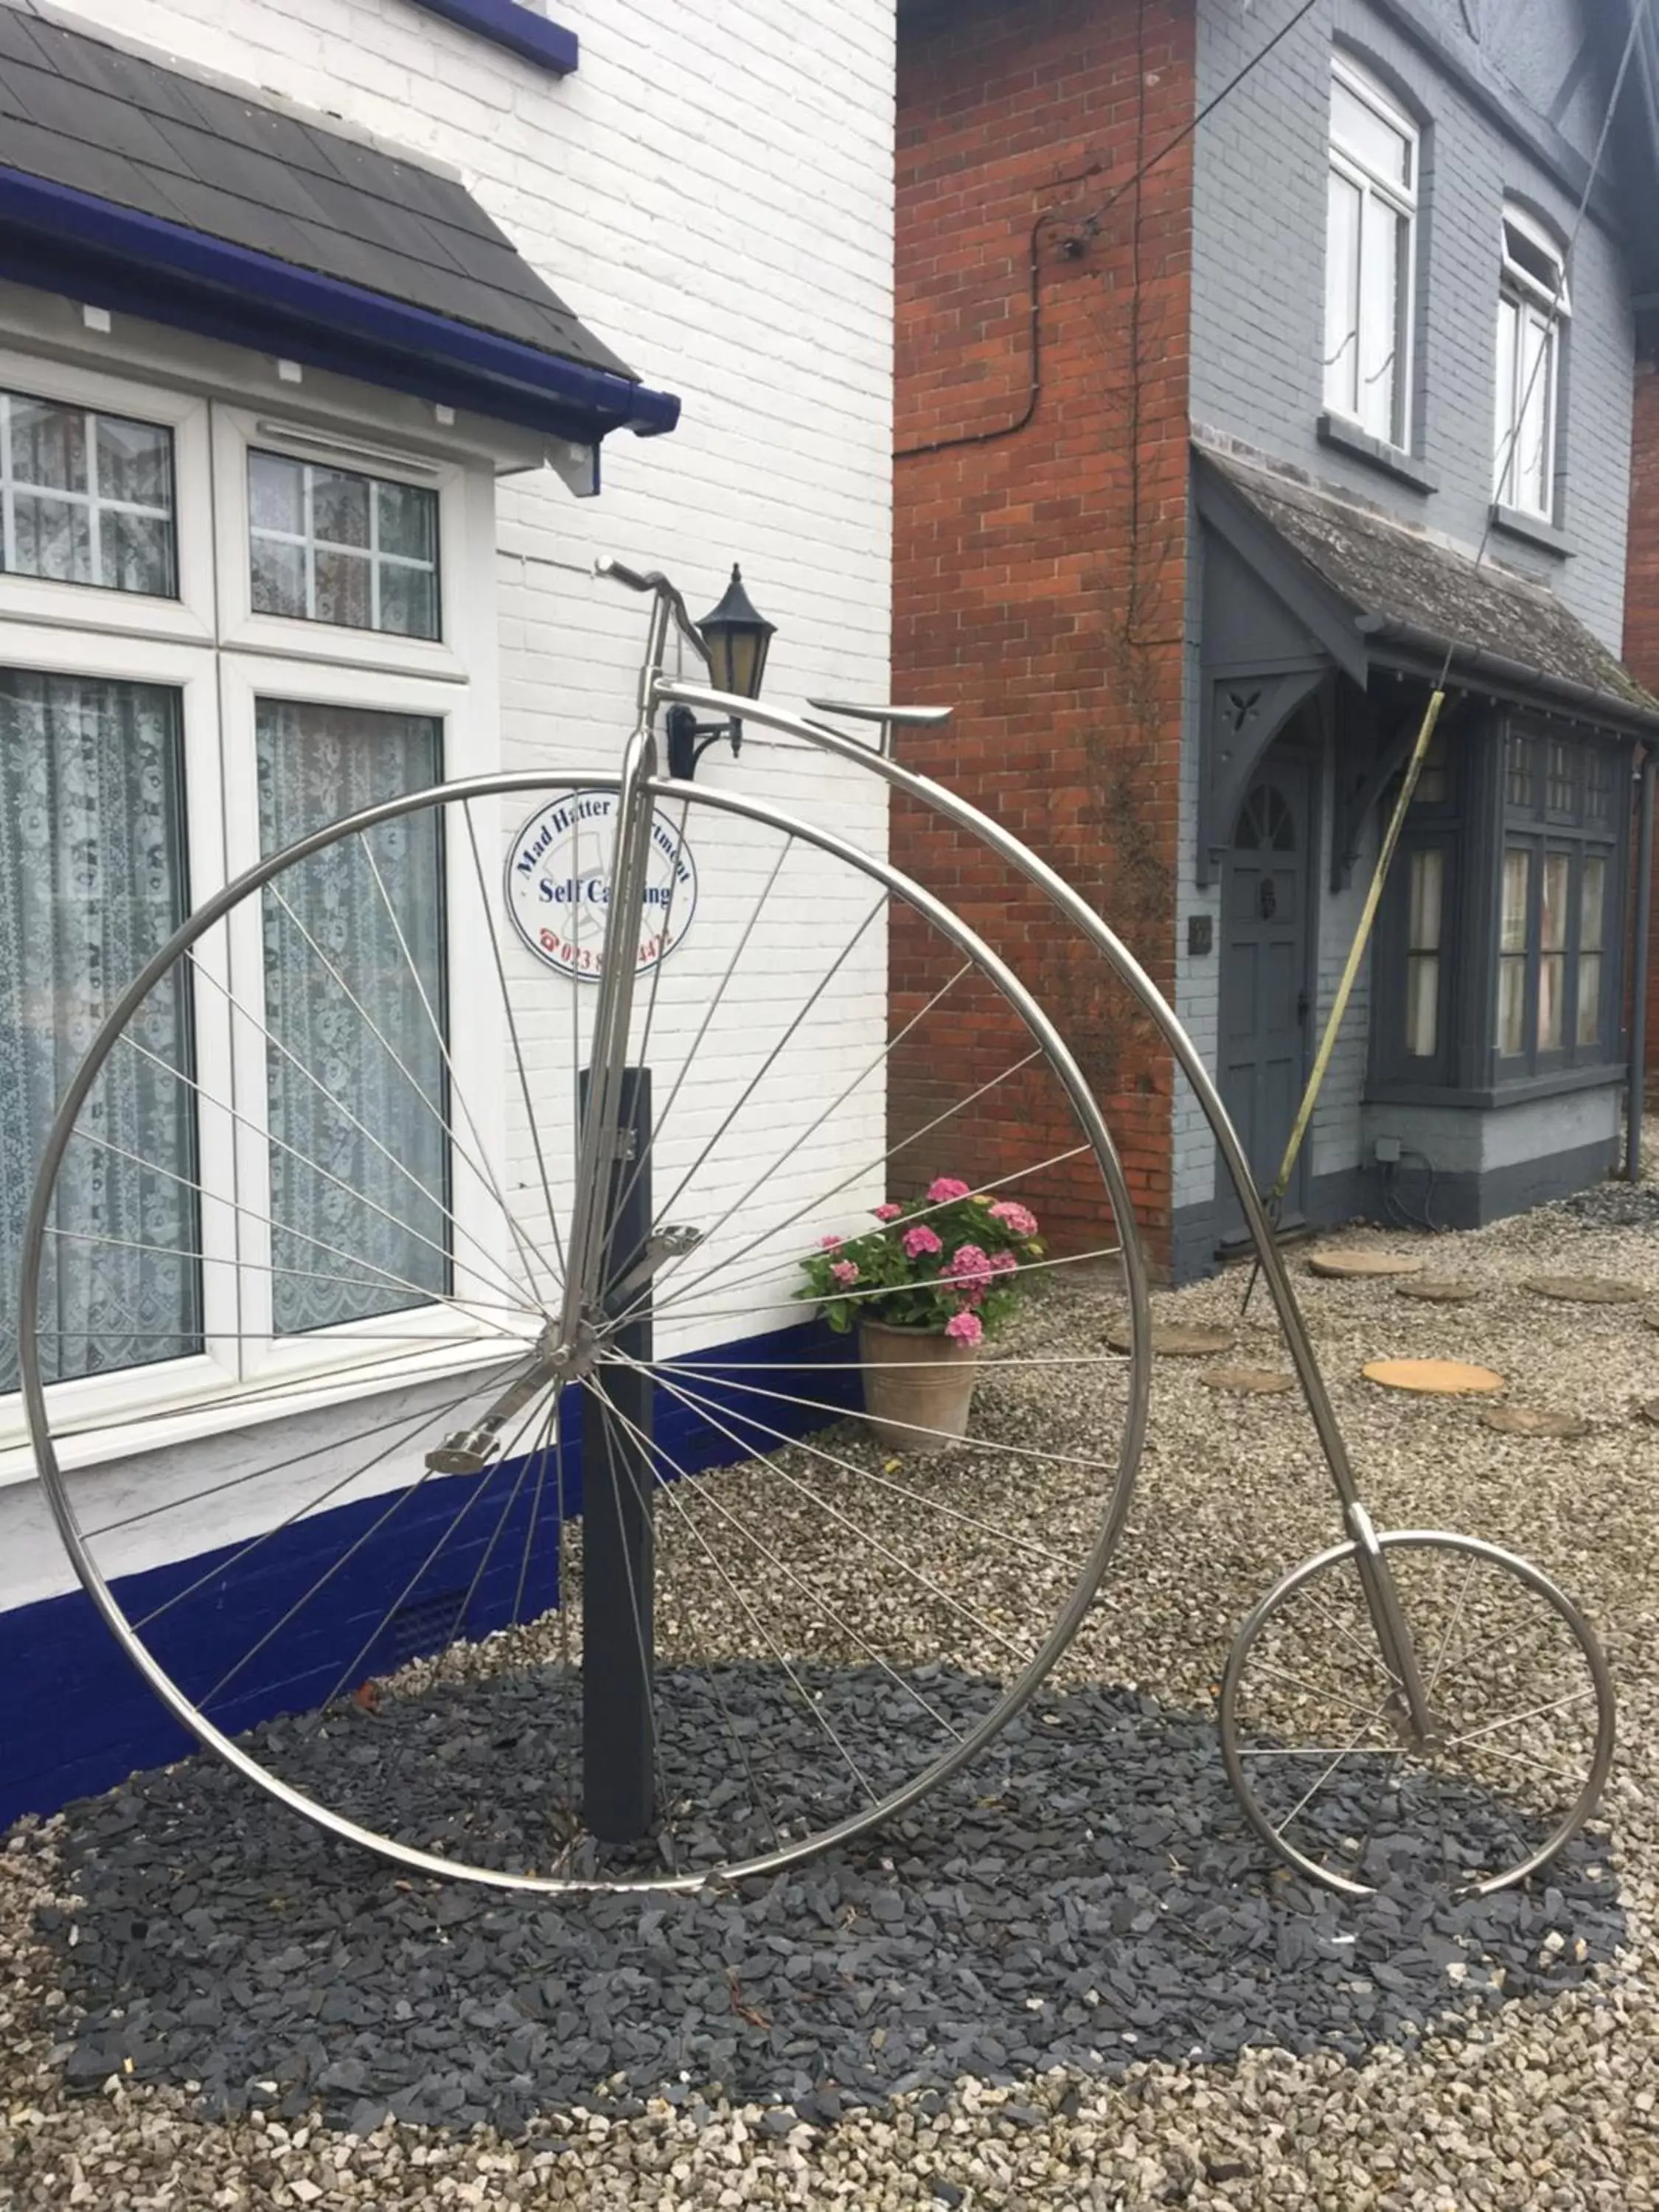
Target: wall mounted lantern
column 736, row 636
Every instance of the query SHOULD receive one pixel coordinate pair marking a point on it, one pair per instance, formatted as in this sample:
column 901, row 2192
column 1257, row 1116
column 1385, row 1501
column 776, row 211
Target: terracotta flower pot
column 918, row 1386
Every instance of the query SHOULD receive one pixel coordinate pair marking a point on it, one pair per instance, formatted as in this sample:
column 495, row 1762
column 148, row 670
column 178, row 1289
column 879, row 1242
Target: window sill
column 219, row 1408
column 1534, row 530
column 520, row 29
column 1359, row 445
column 1402, row 1091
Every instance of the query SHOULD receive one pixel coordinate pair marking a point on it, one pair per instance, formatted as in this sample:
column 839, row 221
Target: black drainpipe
column 1638, row 1018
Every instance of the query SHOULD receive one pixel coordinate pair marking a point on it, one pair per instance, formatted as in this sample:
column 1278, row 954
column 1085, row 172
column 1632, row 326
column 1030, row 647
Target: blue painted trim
column 78, row 1719
column 504, row 23
column 69, row 242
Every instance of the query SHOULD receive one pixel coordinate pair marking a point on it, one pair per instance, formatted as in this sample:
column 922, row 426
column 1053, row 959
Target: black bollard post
column 618, row 1563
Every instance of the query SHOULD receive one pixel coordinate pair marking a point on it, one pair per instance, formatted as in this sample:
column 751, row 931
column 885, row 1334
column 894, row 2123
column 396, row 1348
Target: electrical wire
column 1088, row 227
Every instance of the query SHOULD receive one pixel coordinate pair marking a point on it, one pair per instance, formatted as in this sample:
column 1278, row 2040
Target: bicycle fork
column 1407, row 1708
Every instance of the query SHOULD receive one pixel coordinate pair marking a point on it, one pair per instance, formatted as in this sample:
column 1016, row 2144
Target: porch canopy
column 135, row 187
column 1300, row 586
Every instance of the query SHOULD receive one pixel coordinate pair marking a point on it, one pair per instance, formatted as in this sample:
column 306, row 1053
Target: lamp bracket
column 688, row 739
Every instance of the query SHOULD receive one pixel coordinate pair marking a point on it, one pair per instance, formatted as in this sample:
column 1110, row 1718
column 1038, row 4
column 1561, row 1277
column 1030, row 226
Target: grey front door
column 1264, row 977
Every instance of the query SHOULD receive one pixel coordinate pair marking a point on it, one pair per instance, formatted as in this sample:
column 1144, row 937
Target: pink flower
column 919, row 1239
column 968, row 1263
column 829, row 1243
column 1019, row 1221
column 965, row 1328
column 1004, row 1263
column 941, row 1191
column 891, row 1212
column 846, row 1273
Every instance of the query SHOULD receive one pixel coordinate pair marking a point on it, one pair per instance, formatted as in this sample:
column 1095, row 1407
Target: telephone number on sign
column 587, row 959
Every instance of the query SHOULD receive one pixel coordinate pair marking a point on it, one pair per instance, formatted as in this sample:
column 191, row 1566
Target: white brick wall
column 712, row 193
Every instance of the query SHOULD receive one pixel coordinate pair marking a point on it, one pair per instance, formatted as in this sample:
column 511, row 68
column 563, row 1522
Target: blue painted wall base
column 437, row 1559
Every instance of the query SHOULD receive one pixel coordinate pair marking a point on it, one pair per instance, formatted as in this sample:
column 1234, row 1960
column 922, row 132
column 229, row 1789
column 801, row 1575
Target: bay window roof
column 1371, row 590
column 135, row 187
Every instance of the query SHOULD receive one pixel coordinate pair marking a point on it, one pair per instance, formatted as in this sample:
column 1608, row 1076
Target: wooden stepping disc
column 1360, row 1265
column 1533, row 1421
column 1651, row 1315
column 1648, row 1409
column 1585, row 1289
column 1175, row 1339
column 1440, row 1378
column 1438, row 1290
column 1253, row 1382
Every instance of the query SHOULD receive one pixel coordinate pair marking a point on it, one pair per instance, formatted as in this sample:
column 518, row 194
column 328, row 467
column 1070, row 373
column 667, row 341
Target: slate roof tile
column 87, row 115
column 1380, row 568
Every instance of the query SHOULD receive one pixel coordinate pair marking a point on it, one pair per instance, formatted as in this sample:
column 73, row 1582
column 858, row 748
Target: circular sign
column 558, row 884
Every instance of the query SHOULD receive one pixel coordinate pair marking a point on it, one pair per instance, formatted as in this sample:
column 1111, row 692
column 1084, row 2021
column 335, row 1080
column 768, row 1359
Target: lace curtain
column 92, row 881
column 329, row 941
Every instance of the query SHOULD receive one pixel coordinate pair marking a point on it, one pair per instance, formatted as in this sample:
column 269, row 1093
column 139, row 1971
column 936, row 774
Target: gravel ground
column 1531, row 2086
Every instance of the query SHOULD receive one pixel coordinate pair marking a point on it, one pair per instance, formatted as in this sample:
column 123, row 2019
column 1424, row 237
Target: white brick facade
column 711, row 192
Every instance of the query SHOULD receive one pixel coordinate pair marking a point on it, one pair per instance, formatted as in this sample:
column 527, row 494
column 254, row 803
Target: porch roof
column 135, row 186
column 1388, row 592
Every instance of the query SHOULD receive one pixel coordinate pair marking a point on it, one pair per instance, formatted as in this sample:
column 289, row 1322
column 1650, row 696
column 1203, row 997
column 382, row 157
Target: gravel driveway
column 1160, row 2017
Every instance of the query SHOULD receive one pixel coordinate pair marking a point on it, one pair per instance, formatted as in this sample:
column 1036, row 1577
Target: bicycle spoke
column 662, row 1119
column 771, row 1059
column 467, row 1307
column 977, row 1443
column 799, row 1140
column 252, row 1213
column 277, row 1466
column 301, row 1513
column 442, row 1043
column 710, row 1414
column 452, row 1136
column 339, row 1106
column 487, row 905
column 1326, row 1773
column 1518, row 1720
column 316, row 1168
column 669, row 1491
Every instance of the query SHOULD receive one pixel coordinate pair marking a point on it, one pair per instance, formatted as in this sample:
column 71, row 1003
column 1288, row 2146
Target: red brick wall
column 1642, row 601
column 1039, row 576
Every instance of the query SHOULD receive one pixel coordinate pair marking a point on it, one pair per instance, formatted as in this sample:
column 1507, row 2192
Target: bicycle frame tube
column 602, row 1126
column 675, row 691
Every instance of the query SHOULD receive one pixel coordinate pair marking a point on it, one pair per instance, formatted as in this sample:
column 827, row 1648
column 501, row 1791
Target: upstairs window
column 1532, row 303
column 1369, row 253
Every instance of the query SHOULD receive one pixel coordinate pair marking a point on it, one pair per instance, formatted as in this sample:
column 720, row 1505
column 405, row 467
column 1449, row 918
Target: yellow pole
column 1357, row 950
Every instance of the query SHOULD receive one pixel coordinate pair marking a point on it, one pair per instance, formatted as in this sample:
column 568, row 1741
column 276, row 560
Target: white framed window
column 147, row 754
column 1532, row 305
column 1370, row 256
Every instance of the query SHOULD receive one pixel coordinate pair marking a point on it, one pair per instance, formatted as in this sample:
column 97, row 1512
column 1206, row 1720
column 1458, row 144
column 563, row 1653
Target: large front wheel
column 1319, row 1741
column 305, row 1221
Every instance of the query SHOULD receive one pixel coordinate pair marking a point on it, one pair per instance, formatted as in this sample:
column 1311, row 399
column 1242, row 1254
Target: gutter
column 1604, row 707
column 63, row 240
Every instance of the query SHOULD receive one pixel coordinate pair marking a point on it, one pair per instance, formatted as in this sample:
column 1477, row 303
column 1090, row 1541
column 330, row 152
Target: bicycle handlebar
column 653, row 580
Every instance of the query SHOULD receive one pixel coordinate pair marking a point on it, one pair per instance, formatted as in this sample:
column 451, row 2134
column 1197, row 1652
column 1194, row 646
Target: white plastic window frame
column 1547, row 309
column 1403, row 200
column 480, row 1251
column 236, row 433
column 199, row 644
column 187, row 617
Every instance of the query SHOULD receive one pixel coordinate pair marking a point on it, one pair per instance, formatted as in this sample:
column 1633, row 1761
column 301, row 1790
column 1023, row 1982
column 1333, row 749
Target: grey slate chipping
column 90, row 116
column 1379, row 568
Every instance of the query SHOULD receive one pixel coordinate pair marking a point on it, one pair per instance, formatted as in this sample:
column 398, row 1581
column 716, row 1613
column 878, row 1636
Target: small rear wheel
column 1319, row 1743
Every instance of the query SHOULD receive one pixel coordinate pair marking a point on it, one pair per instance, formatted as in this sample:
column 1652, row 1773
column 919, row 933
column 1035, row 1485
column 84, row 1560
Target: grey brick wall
column 1258, row 275
column 1257, row 331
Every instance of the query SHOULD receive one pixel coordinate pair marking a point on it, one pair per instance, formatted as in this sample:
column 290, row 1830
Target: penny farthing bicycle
column 466, row 1299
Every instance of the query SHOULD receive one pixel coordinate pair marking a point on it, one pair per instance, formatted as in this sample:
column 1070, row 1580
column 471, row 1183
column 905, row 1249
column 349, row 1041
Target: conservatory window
column 1532, row 304
column 1555, row 924
column 1369, row 256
